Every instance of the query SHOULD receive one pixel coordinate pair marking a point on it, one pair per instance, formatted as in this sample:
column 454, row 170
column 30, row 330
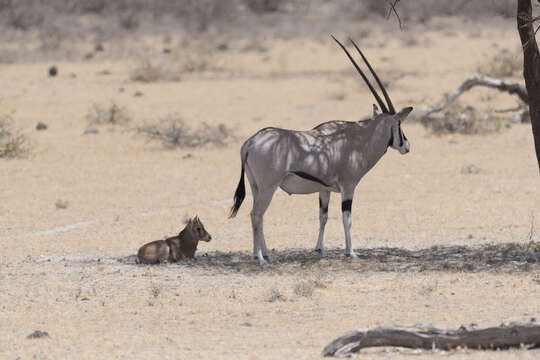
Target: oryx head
column 397, row 140
column 197, row 229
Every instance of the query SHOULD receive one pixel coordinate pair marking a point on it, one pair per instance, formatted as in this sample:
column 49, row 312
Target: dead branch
column 476, row 80
column 429, row 337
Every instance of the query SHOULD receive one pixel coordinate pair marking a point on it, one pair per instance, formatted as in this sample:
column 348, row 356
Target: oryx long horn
column 388, row 101
column 377, row 97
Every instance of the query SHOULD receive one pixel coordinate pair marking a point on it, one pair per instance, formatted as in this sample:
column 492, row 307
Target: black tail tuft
column 240, row 193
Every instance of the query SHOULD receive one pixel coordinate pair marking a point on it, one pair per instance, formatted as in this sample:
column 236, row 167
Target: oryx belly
column 294, row 184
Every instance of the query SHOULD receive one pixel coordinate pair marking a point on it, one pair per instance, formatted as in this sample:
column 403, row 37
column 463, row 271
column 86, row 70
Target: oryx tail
column 240, row 192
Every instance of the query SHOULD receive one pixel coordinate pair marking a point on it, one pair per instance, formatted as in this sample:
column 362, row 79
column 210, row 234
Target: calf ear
column 400, row 116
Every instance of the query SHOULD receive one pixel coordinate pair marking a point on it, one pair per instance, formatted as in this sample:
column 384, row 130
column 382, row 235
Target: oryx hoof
column 352, row 255
column 322, row 252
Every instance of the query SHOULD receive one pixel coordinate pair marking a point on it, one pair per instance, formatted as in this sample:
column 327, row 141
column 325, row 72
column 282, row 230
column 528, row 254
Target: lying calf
column 174, row 248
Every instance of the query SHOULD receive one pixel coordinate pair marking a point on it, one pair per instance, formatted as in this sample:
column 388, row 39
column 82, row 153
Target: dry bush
column 193, row 58
column 464, row 120
column 504, row 64
column 304, row 288
column 113, row 114
column 12, row 143
column 275, row 295
column 172, row 132
column 148, row 72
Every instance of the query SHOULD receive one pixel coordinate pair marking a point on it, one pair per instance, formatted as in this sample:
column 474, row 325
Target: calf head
column 197, row 230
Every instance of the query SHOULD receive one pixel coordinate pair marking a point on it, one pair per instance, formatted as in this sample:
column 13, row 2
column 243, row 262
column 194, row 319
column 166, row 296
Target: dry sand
column 70, row 271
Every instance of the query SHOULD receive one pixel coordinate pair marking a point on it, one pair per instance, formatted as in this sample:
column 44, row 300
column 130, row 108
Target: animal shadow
column 506, row 257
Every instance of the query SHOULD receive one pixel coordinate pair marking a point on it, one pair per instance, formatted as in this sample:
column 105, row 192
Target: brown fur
column 175, row 248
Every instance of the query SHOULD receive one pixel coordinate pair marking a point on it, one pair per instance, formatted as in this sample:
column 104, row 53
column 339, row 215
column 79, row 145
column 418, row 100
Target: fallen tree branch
column 429, row 337
column 476, row 80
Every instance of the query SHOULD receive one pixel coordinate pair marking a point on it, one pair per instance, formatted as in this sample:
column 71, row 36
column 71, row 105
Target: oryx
column 332, row 157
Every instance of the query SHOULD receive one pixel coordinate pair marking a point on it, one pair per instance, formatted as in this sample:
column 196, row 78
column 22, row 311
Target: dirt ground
column 437, row 243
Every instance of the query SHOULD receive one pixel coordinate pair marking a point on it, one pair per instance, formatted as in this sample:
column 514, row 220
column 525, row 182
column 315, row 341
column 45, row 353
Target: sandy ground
column 70, row 271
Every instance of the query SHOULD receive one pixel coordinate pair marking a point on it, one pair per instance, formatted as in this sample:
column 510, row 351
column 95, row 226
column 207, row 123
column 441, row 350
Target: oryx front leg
column 260, row 204
column 346, row 207
column 324, row 199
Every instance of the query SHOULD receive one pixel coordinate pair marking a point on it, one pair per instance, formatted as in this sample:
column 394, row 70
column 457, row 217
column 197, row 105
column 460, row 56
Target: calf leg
column 324, row 199
column 346, row 207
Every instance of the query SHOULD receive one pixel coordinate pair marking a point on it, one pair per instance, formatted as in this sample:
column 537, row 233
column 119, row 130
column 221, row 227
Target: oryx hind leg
column 324, row 199
column 260, row 203
column 346, row 207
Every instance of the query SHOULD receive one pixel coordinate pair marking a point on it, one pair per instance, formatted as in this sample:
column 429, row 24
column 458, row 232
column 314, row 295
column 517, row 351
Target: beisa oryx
column 332, row 157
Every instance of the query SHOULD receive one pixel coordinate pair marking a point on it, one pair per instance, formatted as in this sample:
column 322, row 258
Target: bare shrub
column 504, row 64
column 148, row 72
column 275, row 295
column 172, row 132
column 114, row 115
column 12, row 143
column 304, row 288
column 464, row 120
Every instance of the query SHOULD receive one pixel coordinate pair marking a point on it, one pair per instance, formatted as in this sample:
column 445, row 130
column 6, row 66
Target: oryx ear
column 400, row 116
column 375, row 110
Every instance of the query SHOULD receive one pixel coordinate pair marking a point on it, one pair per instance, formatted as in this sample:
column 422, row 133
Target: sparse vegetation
column 148, row 72
column 304, row 288
column 13, row 144
column 172, row 132
column 464, row 120
column 504, row 64
column 113, row 115
column 275, row 295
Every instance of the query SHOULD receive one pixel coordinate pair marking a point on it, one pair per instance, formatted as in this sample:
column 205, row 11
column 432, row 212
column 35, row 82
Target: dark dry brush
column 13, row 144
column 112, row 115
column 173, row 132
column 509, row 257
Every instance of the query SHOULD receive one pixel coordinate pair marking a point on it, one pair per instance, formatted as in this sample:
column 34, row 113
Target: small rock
column 88, row 56
column 99, row 47
column 41, row 126
column 53, row 71
column 38, row 334
column 138, row 94
column 61, row 204
column 187, row 156
column 470, row 169
column 223, row 47
column 121, row 89
column 91, row 130
column 166, row 51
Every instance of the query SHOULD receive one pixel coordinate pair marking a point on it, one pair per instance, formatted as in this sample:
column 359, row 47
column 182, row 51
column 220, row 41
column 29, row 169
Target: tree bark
column 531, row 67
column 429, row 337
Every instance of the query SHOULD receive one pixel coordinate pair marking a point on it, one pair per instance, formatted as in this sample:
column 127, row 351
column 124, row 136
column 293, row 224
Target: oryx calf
column 175, row 248
column 331, row 157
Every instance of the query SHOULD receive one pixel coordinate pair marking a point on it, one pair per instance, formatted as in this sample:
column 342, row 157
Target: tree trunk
column 531, row 67
column 429, row 337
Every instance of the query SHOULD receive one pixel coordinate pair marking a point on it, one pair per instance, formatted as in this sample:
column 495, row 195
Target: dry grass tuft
column 113, row 115
column 303, row 288
column 12, row 143
column 275, row 295
column 504, row 64
column 149, row 72
column 172, row 132
column 464, row 120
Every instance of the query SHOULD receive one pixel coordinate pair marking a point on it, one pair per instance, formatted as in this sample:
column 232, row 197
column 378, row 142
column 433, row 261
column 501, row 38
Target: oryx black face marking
column 346, row 205
column 331, row 157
